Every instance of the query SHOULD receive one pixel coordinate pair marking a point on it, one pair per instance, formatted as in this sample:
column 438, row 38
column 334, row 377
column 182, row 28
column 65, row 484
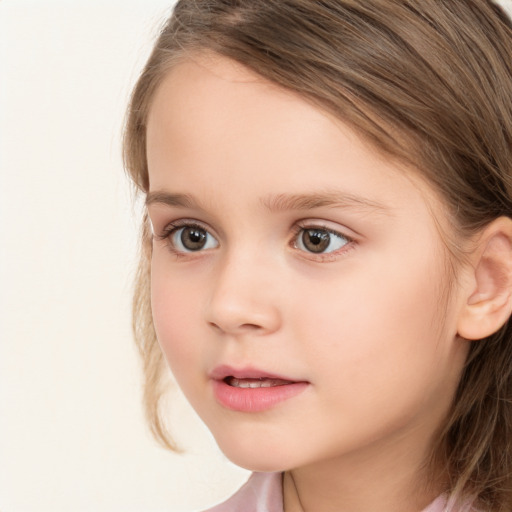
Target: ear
column 488, row 304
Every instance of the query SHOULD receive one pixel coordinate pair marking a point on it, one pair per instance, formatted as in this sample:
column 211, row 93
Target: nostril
column 250, row 326
column 242, row 327
column 214, row 325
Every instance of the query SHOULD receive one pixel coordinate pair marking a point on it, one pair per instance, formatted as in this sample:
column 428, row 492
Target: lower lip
column 254, row 399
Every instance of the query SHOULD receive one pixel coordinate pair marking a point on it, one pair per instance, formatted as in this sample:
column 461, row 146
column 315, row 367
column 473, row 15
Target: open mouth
column 261, row 382
column 250, row 390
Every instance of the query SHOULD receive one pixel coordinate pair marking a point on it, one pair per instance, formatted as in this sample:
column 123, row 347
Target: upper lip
column 223, row 371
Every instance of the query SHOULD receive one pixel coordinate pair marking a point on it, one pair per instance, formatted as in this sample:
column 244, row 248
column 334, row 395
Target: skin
column 368, row 326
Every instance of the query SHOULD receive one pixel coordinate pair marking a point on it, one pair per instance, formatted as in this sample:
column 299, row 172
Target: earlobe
column 489, row 301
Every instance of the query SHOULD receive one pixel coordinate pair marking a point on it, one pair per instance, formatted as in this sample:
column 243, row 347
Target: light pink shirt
column 263, row 493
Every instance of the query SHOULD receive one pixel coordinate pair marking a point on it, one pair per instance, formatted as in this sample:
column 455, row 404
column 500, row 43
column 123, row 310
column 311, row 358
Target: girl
column 327, row 249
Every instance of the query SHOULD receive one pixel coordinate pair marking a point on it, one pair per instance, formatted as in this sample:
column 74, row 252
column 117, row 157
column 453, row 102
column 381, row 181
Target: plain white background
column 72, row 436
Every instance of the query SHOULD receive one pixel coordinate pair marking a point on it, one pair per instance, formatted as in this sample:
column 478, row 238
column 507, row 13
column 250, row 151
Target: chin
column 255, row 455
column 258, row 463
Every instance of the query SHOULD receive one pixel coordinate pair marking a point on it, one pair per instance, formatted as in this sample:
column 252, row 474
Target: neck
column 388, row 482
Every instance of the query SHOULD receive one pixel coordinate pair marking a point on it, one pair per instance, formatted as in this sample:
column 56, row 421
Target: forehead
column 205, row 94
column 208, row 105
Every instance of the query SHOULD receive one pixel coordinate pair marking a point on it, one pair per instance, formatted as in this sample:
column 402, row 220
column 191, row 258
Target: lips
column 224, row 372
column 252, row 390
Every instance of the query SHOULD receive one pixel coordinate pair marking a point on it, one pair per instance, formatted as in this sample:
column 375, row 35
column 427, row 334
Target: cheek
column 174, row 310
column 375, row 322
column 373, row 353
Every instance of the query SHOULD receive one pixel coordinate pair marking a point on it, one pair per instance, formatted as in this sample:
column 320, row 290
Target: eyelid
column 174, row 225
column 332, row 226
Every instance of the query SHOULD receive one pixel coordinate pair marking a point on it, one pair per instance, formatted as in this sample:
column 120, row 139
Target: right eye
column 191, row 238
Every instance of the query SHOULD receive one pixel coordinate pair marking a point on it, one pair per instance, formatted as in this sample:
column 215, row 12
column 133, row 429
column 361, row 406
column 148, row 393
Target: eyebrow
column 330, row 199
column 281, row 202
column 178, row 200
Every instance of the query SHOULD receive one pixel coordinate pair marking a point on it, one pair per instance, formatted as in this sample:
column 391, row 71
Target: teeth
column 255, row 383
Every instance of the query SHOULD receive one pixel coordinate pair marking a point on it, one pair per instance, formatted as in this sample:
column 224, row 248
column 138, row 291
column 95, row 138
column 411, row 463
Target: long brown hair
column 428, row 82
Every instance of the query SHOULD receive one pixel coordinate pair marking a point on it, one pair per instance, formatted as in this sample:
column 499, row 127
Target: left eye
column 192, row 239
column 318, row 241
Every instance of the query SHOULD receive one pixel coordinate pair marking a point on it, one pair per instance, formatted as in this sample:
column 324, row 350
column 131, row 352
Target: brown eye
column 317, row 240
column 192, row 239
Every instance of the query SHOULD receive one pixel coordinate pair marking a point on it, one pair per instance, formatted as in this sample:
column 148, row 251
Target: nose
column 243, row 299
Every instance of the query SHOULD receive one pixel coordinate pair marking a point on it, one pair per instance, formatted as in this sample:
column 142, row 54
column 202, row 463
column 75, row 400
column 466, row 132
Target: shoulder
column 261, row 493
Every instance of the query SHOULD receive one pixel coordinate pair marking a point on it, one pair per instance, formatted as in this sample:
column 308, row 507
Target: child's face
column 294, row 251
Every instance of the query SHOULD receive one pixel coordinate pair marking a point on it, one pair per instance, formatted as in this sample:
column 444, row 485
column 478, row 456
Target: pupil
column 315, row 240
column 193, row 238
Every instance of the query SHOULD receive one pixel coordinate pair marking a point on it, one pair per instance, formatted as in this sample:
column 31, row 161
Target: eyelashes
column 188, row 238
